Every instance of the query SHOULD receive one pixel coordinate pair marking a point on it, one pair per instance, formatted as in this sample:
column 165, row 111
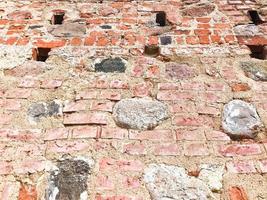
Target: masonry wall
column 96, row 96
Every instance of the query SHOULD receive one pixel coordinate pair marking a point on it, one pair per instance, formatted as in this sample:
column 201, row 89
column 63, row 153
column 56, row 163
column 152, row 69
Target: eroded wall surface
column 133, row 100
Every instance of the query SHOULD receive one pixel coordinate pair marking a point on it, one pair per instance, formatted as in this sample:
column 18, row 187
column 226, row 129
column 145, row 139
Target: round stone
column 241, row 120
column 173, row 182
column 142, row 114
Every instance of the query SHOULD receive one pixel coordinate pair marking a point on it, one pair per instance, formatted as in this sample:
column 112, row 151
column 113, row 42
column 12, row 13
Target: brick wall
column 65, row 67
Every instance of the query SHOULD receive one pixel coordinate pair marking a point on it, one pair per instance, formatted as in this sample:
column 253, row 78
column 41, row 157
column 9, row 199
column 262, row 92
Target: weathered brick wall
column 119, row 103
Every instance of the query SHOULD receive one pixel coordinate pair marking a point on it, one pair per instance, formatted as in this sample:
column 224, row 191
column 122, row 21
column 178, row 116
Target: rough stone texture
column 41, row 109
column 241, row 120
column 247, row 30
column 179, row 71
column 199, row 10
column 140, row 114
column 254, row 70
column 68, row 29
column 111, row 65
column 172, row 182
column 69, row 180
column 12, row 56
column 212, row 175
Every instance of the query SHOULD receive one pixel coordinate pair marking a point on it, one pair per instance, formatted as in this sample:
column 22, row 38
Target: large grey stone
column 42, row 109
column 247, row 30
column 12, row 56
column 255, row 71
column 69, row 180
column 139, row 114
column 166, row 182
column 111, row 65
column 212, row 175
column 68, row 29
column 241, row 120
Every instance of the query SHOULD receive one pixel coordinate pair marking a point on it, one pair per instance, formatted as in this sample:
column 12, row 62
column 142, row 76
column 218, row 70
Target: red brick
column 184, row 107
column 61, row 146
column 263, row 165
column 192, row 120
column 202, row 32
column 217, row 136
column 56, row 133
column 192, row 40
column 49, row 44
column 10, row 104
column 87, row 94
column 29, row 166
column 240, row 150
column 27, row 192
column 28, row 83
column 75, row 106
column 118, row 84
column 86, row 132
column 84, row 118
column 190, row 135
column 18, row 93
column 76, row 42
column 102, row 106
column 158, row 135
column 51, row 84
column 5, row 119
column 113, row 133
column 131, row 182
column 167, row 149
column 134, row 149
column 237, row 193
column 104, row 183
column 241, row 167
column 142, row 89
column 5, row 168
column 110, row 95
column 196, row 149
column 204, row 39
column 240, row 87
column 175, row 95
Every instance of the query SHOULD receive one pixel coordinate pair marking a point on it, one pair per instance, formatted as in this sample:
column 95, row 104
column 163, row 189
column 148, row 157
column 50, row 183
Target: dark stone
column 179, row 71
column 42, row 109
column 164, row 40
column 255, row 70
column 35, row 26
column 199, row 10
column 69, row 181
column 106, row 27
column 53, row 108
column 111, row 65
column 152, row 50
column 37, row 110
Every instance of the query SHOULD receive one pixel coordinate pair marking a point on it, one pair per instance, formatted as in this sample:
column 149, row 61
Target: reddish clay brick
column 113, row 133
column 160, row 135
column 49, row 44
column 241, row 167
column 167, row 149
column 263, row 165
column 190, row 135
column 240, row 87
column 86, row 132
column 237, row 193
column 27, row 192
column 51, row 84
column 240, row 150
column 56, row 133
column 84, row 118
column 104, row 183
column 196, row 149
column 134, row 149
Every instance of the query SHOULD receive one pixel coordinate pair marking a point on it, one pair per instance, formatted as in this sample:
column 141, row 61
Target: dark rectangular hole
column 258, row 51
column 58, row 18
column 254, row 16
column 161, row 18
column 41, row 54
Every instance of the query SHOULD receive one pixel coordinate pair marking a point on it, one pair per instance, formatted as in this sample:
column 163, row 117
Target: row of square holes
column 257, row 51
